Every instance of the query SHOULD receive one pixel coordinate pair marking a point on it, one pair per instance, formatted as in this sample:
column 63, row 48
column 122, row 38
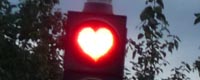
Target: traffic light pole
column 97, row 18
column 98, row 6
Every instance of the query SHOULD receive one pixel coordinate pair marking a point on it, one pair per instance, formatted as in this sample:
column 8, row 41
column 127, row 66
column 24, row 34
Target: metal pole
column 98, row 6
column 101, row 1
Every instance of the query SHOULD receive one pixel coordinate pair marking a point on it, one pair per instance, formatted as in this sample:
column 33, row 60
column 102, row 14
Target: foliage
column 28, row 40
column 154, row 43
column 197, row 62
column 9, row 52
column 197, row 20
column 179, row 72
column 197, row 65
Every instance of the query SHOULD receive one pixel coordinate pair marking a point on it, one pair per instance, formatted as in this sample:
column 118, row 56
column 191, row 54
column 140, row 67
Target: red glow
column 95, row 43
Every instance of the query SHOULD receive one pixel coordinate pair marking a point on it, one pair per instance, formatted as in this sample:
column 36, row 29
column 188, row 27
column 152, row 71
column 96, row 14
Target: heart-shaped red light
column 95, row 43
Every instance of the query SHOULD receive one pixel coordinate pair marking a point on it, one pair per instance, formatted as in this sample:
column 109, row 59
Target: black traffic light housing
column 77, row 65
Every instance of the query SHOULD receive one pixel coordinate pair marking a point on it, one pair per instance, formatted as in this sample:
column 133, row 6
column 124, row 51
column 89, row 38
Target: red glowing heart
column 95, row 43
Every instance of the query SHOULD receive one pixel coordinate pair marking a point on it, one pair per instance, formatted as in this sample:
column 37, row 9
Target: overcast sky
column 179, row 13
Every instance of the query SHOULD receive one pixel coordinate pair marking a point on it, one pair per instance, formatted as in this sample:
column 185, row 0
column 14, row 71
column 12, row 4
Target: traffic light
column 94, row 45
column 95, row 39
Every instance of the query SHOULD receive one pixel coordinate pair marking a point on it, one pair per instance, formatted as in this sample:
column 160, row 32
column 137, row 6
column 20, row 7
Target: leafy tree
column 154, row 42
column 12, row 60
column 197, row 62
column 29, row 48
column 41, row 26
column 179, row 72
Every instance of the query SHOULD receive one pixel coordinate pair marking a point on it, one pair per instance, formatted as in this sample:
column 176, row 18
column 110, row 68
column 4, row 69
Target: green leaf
column 153, row 23
column 159, row 34
column 171, row 46
column 197, row 14
column 150, row 0
column 178, row 38
column 147, row 13
column 197, row 20
column 128, row 73
column 147, row 1
column 126, row 69
column 176, row 44
column 163, row 53
column 131, row 47
column 160, row 2
column 162, row 18
column 158, row 9
column 133, row 55
column 140, row 36
column 148, row 32
column 165, row 29
column 132, row 42
column 140, row 60
column 188, row 66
